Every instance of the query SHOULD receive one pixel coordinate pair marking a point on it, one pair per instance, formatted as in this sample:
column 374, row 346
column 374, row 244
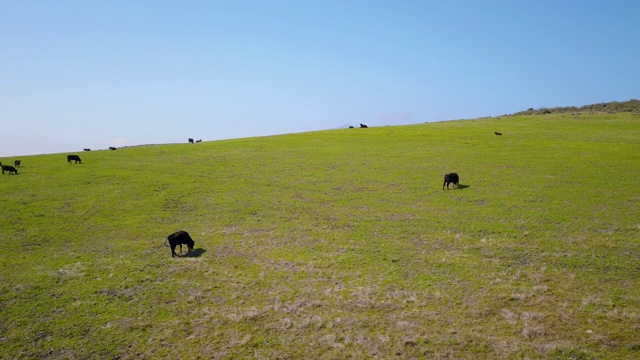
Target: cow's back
column 179, row 234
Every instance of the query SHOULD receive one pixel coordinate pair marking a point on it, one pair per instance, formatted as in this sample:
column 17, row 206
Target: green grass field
column 332, row 244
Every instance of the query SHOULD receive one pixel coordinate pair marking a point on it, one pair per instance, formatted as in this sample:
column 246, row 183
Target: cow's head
column 190, row 244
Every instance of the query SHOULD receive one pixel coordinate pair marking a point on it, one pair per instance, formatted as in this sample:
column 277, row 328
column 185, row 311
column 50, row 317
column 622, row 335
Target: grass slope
column 333, row 244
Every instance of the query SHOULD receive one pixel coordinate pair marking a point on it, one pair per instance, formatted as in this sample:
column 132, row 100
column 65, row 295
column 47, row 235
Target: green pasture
column 332, row 244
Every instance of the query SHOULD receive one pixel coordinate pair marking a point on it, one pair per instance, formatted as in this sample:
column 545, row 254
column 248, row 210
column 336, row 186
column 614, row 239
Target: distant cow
column 16, row 163
column 350, row 127
column 199, row 140
column 497, row 133
column 451, row 178
column 8, row 168
column 190, row 141
column 75, row 158
column 112, row 148
column 363, row 126
column 179, row 238
column 86, row 149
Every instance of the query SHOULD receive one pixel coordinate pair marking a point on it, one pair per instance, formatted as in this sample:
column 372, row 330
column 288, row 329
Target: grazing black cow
column 8, row 168
column 350, row 127
column 497, row 133
column 199, row 140
column 179, row 238
column 363, row 126
column 86, row 149
column 16, row 163
column 112, row 148
column 190, row 141
column 451, row 178
column 75, row 158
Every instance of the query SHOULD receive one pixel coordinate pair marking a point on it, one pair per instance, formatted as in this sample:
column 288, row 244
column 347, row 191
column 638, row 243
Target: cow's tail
column 165, row 242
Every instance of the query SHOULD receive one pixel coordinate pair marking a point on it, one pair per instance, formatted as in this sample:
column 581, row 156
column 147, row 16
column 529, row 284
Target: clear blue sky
column 76, row 74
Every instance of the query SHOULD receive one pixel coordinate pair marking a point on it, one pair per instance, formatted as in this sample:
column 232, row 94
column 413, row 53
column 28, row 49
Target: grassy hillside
column 333, row 244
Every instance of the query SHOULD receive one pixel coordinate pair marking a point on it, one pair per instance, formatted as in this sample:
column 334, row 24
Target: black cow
column 179, row 238
column 75, row 158
column 199, row 140
column 8, row 168
column 497, row 133
column 16, row 163
column 350, row 126
column 363, row 126
column 190, row 141
column 451, row 178
column 112, row 148
column 86, row 149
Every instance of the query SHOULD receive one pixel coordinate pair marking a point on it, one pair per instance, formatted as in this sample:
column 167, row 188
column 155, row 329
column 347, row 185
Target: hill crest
column 630, row 106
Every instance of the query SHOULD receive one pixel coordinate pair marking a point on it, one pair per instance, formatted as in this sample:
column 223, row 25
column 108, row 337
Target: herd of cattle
column 75, row 158
column 451, row 178
column 182, row 237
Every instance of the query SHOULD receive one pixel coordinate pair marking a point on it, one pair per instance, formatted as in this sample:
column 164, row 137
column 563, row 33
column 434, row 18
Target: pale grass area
column 326, row 314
